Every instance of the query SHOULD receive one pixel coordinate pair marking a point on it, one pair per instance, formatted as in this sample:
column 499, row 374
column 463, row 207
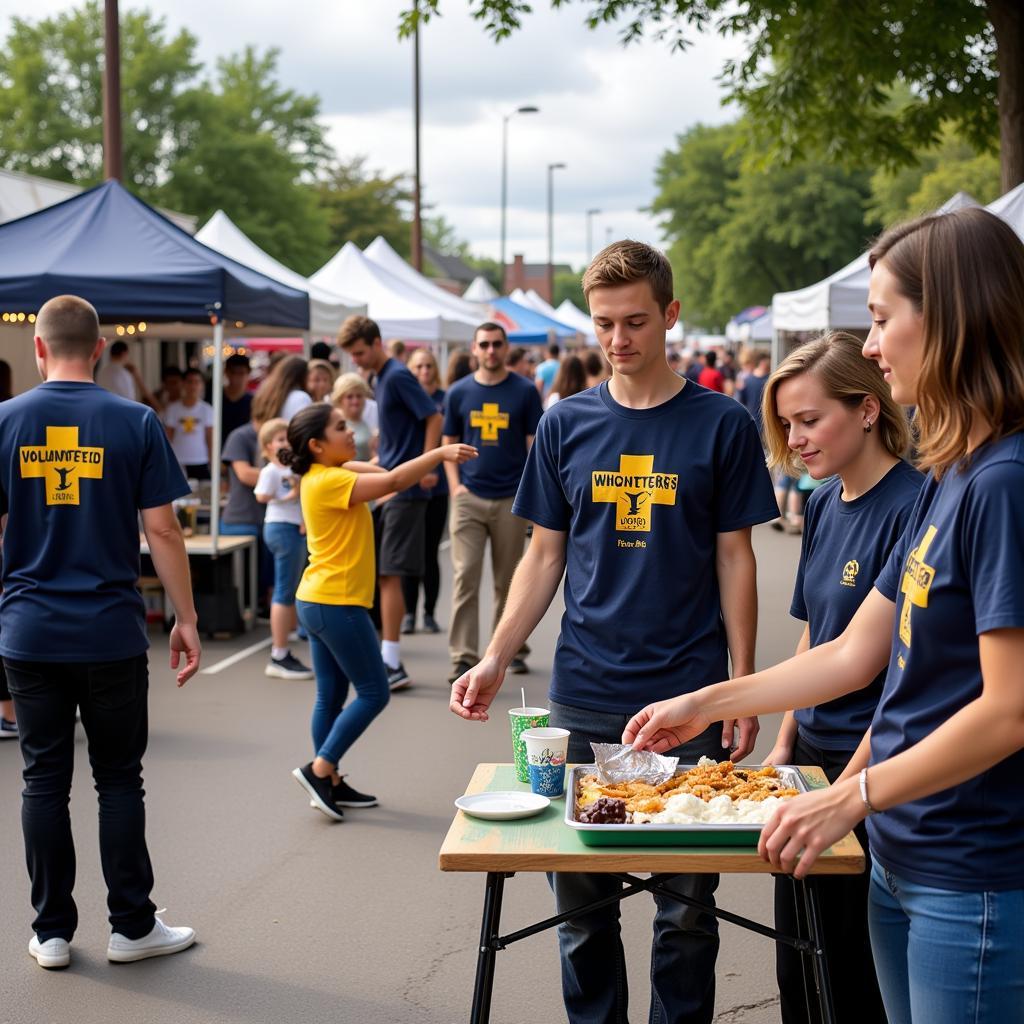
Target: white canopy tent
column 381, row 253
column 399, row 310
column 1010, row 207
column 841, row 299
column 480, row 290
column 570, row 315
column 327, row 307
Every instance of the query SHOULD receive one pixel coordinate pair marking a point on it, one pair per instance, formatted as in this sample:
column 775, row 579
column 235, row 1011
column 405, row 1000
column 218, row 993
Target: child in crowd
column 336, row 591
column 938, row 773
column 284, row 534
column 827, row 411
column 189, row 425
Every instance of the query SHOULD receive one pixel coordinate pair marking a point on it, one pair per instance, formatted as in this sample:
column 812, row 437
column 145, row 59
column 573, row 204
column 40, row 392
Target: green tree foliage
column 818, row 76
column 569, row 285
column 360, row 204
column 738, row 232
column 51, row 106
column 251, row 147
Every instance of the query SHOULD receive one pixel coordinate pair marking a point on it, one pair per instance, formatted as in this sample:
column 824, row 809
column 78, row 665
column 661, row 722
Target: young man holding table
column 642, row 492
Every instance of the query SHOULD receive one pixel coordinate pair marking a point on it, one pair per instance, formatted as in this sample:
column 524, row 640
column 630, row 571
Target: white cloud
column 607, row 112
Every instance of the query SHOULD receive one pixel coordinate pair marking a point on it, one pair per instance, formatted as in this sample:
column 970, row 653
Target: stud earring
column 867, row 427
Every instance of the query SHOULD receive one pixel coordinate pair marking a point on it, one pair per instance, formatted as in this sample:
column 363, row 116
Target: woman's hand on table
column 474, row 690
column 665, row 724
column 806, row 825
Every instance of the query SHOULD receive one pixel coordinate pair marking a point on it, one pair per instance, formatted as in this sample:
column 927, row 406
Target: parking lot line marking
column 235, row 658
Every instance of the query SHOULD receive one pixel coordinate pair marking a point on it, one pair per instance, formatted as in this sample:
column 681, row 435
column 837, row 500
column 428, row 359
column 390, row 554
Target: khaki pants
column 471, row 522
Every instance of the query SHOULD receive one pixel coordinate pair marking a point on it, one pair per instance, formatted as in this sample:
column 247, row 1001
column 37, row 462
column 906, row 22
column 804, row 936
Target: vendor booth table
column 544, row 843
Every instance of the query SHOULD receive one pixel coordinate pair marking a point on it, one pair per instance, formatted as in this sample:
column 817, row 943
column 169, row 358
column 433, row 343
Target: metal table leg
column 821, row 979
column 481, row 1011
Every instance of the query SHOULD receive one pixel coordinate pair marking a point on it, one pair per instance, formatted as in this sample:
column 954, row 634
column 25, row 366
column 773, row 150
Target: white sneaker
column 51, row 954
column 161, row 941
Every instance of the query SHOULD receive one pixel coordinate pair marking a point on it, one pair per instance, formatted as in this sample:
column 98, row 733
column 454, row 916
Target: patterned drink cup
column 520, row 719
column 546, row 751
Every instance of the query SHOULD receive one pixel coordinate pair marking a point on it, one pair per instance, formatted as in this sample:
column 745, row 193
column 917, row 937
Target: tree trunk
column 1008, row 21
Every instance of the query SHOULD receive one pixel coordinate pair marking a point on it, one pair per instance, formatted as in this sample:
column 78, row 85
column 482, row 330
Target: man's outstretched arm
column 533, row 587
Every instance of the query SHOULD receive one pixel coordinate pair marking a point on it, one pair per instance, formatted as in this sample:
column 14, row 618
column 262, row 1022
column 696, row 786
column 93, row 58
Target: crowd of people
column 906, row 687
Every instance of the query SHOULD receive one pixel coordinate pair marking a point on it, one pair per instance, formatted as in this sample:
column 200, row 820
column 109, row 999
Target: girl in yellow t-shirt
column 336, row 591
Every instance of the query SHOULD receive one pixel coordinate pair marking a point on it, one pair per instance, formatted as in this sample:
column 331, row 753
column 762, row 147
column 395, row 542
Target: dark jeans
column 112, row 697
column 685, row 945
column 437, row 516
column 844, row 917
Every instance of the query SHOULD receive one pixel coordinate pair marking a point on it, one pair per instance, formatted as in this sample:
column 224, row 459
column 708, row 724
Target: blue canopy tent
column 528, row 327
column 132, row 263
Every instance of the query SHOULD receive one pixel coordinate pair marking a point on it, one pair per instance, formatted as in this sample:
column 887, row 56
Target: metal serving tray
column 697, row 834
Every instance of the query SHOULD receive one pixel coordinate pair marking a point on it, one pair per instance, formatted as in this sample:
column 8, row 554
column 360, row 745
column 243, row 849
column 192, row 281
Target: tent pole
column 218, row 406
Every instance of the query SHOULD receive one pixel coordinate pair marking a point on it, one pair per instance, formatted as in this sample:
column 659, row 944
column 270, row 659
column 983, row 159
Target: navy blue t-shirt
column 402, row 405
column 956, row 573
column 750, row 397
column 497, row 419
column 845, row 545
column 643, row 494
column 442, row 480
column 77, row 463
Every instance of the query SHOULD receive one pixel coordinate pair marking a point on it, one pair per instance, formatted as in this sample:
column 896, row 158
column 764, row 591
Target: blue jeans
column 344, row 647
column 947, row 957
column 685, row 945
column 288, row 547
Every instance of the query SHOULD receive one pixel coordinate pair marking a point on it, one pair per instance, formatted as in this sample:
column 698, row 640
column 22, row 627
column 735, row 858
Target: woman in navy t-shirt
column 828, row 412
column 939, row 774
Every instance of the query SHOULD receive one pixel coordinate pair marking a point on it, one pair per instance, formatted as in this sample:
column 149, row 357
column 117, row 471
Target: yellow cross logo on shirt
column 61, row 463
column 634, row 489
column 188, row 424
column 917, row 581
column 490, row 420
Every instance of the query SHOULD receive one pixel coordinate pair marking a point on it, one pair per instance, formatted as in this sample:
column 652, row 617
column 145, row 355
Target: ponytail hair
column 309, row 424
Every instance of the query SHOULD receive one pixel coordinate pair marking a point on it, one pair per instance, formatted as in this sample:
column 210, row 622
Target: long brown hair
column 835, row 358
column 288, row 375
column 571, row 378
column 964, row 273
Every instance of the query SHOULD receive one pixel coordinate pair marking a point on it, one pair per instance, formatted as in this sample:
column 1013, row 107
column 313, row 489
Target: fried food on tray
column 706, row 781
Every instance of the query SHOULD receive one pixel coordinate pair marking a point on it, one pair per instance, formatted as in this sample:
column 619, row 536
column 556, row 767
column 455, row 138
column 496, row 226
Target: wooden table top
column 545, row 843
column 202, row 544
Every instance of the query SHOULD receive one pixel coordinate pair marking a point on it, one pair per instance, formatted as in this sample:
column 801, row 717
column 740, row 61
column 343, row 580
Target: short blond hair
column 836, row 359
column 269, row 429
column 346, row 383
column 69, row 325
column 627, row 262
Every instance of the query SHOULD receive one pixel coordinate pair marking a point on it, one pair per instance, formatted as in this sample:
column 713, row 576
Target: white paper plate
column 503, row 805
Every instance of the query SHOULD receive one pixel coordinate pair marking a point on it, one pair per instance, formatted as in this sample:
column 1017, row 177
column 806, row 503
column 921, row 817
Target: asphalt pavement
column 309, row 922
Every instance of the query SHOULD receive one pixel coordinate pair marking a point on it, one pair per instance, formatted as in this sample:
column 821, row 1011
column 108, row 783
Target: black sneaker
column 288, row 667
column 344, row 795
column 518, row 667
column 8, row 729
column 319, row 791
column 398, row 678
column 408, row 624
column 460, row 669
column 430, row 624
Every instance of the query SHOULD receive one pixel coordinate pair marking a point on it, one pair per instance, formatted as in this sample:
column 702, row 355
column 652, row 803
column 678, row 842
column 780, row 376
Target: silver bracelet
column 863, row 778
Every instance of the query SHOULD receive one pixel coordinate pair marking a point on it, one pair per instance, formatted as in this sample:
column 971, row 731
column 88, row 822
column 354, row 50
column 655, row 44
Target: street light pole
column 590, row 232
column 417, row 223
column 551, row 228
column 504, row 176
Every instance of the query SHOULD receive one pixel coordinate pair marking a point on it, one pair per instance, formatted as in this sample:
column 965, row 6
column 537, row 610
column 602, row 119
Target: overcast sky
column 606, row 111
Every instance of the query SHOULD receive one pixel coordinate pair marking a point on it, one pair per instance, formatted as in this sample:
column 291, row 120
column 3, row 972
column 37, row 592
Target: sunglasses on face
column 490, row 344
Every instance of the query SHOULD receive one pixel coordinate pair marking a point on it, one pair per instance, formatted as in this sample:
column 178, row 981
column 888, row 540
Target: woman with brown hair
column 320, row 376
column 938, row 774
column 283, row 391
column 827, row 412
column 424, row 368
column 571, row 379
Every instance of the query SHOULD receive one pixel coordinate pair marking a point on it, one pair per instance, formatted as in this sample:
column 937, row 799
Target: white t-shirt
column 276, row 483
column 294, row 401
column 189, row 423
column 371, row 417
column 116, row 379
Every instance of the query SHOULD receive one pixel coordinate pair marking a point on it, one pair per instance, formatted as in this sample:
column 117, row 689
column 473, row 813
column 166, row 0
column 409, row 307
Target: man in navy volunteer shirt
column 497, row 411
column 409, row 426
column 77, row 465
column 642, row 491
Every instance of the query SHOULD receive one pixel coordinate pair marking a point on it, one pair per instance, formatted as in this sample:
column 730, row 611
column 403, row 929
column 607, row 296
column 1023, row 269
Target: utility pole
column 417, row 224
column 551, row 228
column 590, row 233
column 504, row 176
column 112, row 146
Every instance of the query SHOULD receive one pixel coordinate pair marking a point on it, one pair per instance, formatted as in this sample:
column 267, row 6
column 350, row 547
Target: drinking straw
column 522, row 690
